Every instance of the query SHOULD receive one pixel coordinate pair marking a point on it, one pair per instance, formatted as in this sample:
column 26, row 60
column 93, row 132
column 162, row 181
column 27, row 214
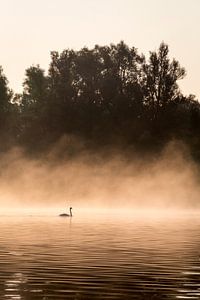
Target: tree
column 33, row 106
column 7, row 116
column 160, row 78
column 5, row 94
column 35, row 88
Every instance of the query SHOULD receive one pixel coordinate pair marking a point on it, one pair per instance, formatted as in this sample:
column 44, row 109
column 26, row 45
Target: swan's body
column 64, row 215
column 67, row 215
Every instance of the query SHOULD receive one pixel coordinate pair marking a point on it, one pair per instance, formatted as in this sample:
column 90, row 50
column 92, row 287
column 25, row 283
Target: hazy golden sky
column 30, row 29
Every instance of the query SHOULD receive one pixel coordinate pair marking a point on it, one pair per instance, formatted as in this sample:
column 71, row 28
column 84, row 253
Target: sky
column 30, row 30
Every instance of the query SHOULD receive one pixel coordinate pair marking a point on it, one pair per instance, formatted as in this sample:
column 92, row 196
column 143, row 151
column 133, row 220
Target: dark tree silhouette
column 105, row 96
column 160, row 78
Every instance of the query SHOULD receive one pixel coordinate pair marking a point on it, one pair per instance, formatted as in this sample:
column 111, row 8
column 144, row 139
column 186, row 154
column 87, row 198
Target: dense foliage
column 105, row 96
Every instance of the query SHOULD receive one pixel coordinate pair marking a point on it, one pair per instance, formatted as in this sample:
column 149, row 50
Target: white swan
column 67, row 215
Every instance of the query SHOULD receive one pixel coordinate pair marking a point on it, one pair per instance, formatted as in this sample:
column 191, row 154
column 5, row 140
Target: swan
column 67, row 215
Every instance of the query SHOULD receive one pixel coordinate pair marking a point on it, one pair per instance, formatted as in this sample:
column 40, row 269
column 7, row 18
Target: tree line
column 105, row 96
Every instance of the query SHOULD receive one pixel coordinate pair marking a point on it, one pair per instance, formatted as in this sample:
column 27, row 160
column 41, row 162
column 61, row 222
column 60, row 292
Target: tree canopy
column 108, row 95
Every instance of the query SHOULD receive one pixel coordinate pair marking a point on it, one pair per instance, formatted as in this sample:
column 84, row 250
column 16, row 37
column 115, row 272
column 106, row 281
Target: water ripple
column 50, row 258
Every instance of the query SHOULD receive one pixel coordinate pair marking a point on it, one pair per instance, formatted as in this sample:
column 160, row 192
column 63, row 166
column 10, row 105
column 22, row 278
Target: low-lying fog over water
column 135, row 232
column 109, row 255
column 105, row 179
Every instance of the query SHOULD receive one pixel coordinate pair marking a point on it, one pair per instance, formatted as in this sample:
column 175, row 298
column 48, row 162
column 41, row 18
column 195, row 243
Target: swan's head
column 70, row 209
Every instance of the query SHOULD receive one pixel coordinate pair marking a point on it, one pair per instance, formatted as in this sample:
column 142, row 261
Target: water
column 134, row 256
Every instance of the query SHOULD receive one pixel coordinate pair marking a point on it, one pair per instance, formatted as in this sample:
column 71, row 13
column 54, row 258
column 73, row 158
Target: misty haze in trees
column 108, row 96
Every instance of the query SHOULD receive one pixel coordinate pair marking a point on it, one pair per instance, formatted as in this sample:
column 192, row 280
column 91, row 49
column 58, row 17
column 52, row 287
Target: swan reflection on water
column 67, row 215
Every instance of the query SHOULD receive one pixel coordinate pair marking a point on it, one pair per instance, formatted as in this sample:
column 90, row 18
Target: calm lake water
column 135, row 256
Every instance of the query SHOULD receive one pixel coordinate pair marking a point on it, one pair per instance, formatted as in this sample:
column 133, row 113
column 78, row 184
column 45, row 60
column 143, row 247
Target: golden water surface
column 100, row 256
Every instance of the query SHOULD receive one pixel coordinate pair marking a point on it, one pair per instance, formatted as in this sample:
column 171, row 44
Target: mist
column 106, row 179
